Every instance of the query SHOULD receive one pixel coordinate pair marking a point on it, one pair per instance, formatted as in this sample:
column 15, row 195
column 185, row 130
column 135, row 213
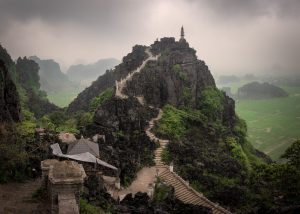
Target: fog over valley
column 233, row 36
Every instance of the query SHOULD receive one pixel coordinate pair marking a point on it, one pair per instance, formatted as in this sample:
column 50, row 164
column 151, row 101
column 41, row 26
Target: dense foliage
column 103, row 96
column 221, row 162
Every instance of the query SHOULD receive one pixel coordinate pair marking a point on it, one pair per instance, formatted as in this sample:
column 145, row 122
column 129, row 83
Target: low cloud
column 231, row 36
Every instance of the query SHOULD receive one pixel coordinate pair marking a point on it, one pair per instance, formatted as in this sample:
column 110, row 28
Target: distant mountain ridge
column 52, row 79
column 85, row 74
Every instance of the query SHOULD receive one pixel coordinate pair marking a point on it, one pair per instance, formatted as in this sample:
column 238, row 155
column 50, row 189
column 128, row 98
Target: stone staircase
column 187, row 194
column 183, row 191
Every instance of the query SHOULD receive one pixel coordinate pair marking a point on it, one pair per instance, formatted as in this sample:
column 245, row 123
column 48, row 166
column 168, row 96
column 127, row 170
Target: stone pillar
column 117, row 183
column 65, row 181
column 150, row 190
column 46, row 166
column 171, row 167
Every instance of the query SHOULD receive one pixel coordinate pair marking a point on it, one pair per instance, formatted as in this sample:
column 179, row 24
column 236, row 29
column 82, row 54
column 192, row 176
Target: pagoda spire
column 182, row 33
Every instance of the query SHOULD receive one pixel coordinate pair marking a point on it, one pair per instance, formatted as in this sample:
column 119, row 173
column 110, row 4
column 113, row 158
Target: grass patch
column 103, row 96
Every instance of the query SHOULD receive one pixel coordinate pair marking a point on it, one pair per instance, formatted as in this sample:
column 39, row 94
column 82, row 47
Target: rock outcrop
column 9, row 99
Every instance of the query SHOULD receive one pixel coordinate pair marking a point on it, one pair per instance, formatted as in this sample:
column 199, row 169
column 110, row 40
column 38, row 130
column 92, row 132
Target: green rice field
column 273, row 124
column 63, row 98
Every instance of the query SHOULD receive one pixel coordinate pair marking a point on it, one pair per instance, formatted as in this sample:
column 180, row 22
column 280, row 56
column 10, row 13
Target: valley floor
column 273, row 124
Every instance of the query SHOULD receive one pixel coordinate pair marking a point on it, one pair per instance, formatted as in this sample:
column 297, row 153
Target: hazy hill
column 85, row 74
column 256, row 90
column 51, row 77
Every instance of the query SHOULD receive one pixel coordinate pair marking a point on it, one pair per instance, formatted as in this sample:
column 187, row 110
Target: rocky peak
column 177, row 77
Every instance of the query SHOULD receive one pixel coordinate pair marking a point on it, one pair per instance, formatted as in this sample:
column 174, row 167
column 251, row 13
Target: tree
column 293, row 154
column 57, row 118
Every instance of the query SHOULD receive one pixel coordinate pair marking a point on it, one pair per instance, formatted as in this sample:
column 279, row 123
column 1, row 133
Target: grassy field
column 273, row 124
column 63, row 98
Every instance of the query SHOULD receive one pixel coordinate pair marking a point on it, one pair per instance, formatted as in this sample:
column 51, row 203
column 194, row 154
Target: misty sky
column 232, row 36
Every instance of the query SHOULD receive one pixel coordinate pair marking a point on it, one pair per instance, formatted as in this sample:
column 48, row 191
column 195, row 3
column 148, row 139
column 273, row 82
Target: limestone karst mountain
column 52, row 79
column 24, row 73
column 197, row 119
column 159, row 112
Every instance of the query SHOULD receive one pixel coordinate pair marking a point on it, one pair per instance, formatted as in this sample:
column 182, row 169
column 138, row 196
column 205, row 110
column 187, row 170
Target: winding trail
column 120, row 85
column 146, row 177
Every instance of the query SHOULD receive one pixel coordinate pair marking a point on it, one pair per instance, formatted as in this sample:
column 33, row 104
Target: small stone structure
column 63, row 181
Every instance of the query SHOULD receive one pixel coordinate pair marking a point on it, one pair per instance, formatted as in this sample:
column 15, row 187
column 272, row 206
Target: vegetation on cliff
column 222, row 164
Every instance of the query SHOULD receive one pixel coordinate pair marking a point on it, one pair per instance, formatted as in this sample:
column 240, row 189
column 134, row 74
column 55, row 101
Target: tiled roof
column 83, row 145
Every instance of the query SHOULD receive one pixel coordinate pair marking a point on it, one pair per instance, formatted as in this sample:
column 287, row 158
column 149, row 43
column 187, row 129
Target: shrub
column 178, row 71
column 86, row 208
column 103, row 96
column 172, row 123
column 211, row 102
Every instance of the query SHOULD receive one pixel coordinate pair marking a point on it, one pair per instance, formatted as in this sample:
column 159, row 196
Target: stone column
column 171, row 167
column 65, row 181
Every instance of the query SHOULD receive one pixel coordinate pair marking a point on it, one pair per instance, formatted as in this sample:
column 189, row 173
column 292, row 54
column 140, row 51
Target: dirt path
column 16, row 198
column 144, row 177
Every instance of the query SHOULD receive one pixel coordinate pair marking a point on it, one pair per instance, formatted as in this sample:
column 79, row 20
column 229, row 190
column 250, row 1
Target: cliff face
column 36, row 101
column 9, row 99
column 51, row 77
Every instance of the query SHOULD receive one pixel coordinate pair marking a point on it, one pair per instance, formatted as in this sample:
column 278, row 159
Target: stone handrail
column 122, row 83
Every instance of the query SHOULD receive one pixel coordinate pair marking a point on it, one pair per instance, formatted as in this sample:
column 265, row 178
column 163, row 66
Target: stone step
column 161, row 166
column 184, row 193
column 188, row 200
column 175, row 183
column 195, row 201
column 169, row 176
column 164, row 173
column 187, row 196
column 179, row 189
